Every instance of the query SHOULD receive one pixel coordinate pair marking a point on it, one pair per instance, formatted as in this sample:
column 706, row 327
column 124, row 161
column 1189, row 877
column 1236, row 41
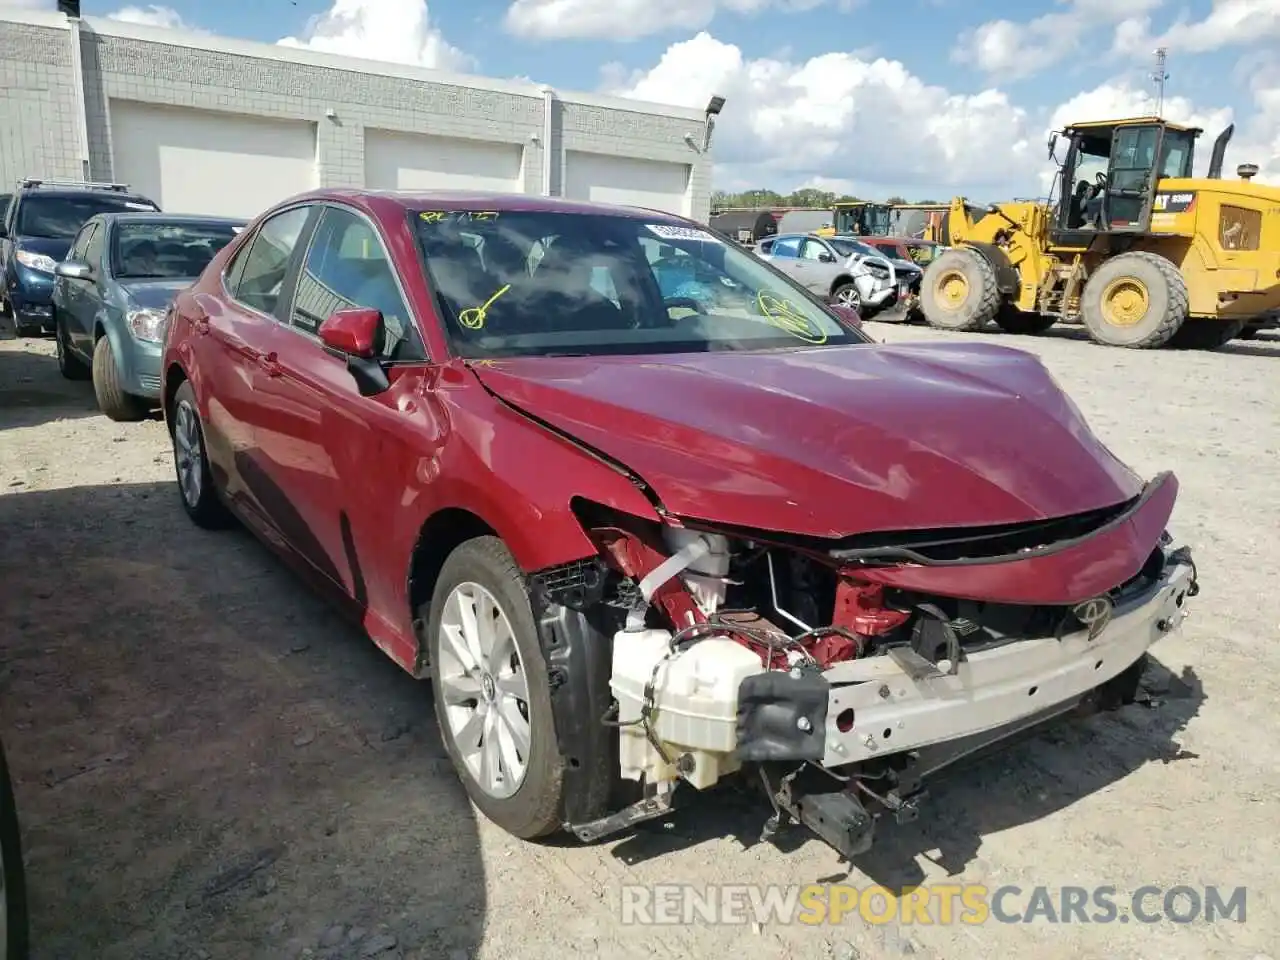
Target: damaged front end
column 839, row 675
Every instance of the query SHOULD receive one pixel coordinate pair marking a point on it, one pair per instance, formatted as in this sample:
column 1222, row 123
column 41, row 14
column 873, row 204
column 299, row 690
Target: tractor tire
column 1012, row 320
column 1250, row 332
column 1205, row 334
column 959, row 291
column 1136, row 300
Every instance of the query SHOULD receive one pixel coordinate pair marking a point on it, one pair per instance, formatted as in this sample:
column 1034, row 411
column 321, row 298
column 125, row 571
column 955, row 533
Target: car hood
column 155, row 294
column 831, row 441
column 49, row 246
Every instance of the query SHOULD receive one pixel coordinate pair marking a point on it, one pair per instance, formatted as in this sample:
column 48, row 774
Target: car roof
column 63, row 193
column 386, row 202
column 154, row 216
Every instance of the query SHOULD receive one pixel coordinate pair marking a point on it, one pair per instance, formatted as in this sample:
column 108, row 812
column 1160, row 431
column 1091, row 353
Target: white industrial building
column 206, row 124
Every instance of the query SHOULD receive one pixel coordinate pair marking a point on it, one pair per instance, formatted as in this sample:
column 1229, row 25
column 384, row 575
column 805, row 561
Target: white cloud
column 151, row 15
column 398, row 31
column 870, row 127
column 1014, row 50
column 1229, row 23
column 837, row 116
column 631, row 19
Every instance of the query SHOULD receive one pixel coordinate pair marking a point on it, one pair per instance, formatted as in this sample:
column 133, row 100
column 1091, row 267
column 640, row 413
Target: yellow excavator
column 1135, row 249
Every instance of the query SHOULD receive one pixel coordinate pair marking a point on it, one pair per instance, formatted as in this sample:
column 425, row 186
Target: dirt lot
column 208, row 766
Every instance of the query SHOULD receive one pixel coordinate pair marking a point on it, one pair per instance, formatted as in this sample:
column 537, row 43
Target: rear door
column 235, row 360
column 68, row 294
column 784, row 253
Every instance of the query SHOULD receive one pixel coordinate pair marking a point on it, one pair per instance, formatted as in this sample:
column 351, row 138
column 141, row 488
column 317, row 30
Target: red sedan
column 648, row 513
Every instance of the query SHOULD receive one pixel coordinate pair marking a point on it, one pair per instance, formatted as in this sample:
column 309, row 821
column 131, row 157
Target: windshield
column 537, row 283
column 159, row 249
column 60, row 218
column 847, row 248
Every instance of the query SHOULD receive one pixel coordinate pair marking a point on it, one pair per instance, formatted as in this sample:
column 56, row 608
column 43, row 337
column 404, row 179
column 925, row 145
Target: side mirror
column 74, row 270
column 357, row 336
column 825, row 257
column 1053, row 146
column 848, row 314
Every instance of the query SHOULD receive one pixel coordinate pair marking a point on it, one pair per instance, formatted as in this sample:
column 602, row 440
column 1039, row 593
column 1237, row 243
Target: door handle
column 270, row 364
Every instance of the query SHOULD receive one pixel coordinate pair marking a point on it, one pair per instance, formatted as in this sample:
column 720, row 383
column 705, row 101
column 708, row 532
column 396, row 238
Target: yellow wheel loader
column 1135, row 249
column 858, row 218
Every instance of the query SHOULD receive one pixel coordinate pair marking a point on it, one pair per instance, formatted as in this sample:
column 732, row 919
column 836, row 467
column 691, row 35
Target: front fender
column 520, row 478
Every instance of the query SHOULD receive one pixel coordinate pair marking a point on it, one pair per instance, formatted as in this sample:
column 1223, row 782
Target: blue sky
column 914, row 96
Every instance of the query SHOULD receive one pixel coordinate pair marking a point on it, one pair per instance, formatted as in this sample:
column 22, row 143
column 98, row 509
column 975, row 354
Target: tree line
column 806, row 197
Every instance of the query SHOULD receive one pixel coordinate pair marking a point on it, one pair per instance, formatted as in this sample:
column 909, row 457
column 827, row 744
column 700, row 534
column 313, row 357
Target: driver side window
column 812, row 249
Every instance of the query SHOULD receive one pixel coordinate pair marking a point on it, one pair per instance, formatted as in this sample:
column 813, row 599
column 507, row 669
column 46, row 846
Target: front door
column 347, row 457
column 817, row 275
column 1130, row 186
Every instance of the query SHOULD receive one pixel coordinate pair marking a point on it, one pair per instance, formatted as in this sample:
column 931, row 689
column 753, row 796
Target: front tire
column 113, row 400
column 191, row 463
column 846, row 294
column 14, row 922
column 959, row 291
column 1136, row 300
column 492, row 695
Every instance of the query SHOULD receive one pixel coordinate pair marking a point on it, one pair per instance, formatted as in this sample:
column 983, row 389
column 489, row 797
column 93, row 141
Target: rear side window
column 786, row 247
column 258, row 276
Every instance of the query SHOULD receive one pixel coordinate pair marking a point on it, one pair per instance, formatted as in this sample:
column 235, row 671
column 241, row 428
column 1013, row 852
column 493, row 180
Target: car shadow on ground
column 1044, row 774
column 208, row 762
column 32, row 391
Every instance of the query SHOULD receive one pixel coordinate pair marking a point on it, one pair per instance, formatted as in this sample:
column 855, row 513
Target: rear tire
column 481, row 576
column 1136, row 300
column 1012, row 320
column 1204, row 334
column 959, row 291
column 196, row 488
column 112, row 399
column 16, row 930
column 69, row 365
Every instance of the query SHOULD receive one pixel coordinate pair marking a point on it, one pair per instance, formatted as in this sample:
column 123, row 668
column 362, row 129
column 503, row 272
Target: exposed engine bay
column 786, row 661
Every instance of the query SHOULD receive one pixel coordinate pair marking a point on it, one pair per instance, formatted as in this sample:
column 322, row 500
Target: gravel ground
column 207, row 765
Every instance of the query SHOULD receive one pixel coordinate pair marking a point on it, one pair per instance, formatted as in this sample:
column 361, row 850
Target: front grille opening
column 979, row 543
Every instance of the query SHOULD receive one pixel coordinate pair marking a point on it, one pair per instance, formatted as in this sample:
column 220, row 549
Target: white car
column 869, row 284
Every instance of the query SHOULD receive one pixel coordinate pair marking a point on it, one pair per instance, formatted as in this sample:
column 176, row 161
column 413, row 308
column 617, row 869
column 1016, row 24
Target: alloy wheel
column 485, row 690
column 849, row 297
column 188, row 453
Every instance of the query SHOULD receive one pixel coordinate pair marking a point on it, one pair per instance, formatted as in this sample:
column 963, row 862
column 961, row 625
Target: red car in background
column 647, row 512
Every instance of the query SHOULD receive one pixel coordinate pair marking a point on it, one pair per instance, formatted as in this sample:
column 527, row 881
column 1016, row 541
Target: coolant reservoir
column 696, row 700
column 705, row 577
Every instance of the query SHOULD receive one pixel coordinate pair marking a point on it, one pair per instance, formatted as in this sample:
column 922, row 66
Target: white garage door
column 414, row 161
column 623, row 180
column 204, row 161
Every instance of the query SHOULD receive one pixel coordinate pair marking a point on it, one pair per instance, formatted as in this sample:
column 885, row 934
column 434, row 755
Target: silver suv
column 869, row 283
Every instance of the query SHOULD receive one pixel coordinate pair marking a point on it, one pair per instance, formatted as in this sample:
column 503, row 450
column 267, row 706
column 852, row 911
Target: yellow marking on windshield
column 440, row 216
column 786, row 316
column 473, row 318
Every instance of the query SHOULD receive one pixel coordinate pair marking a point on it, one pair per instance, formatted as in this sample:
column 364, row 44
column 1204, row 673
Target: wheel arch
column 174, row 377
column 840, row 281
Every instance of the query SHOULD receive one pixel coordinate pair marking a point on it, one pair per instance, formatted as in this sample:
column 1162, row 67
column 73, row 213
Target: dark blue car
column 112, row 295
column 42, row 218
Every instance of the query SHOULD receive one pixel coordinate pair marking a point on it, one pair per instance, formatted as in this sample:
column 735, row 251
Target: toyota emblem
column 1095, row 614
